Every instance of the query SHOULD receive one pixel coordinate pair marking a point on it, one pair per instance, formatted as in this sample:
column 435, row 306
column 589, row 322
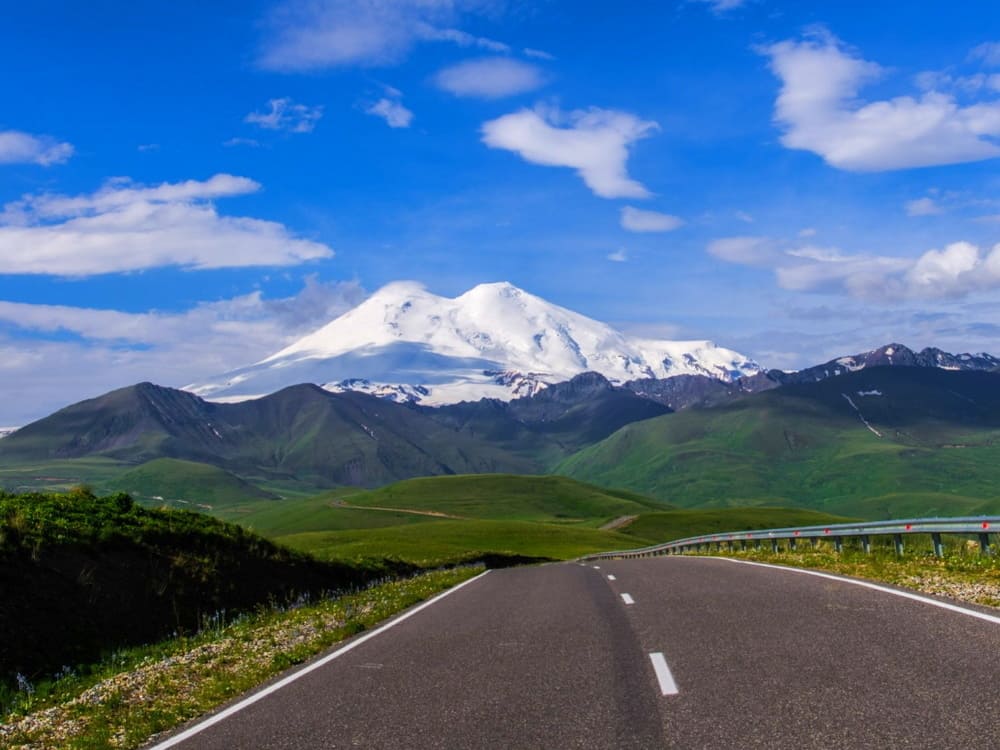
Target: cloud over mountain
column 127, row 227
column 819, row 110
column 595, row 142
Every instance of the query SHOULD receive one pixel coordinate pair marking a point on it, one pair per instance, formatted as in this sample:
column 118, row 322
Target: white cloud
column 24, row 148
column 538, row 54
column 249, row 142
column 637, row 220
column 923, row 207
column 128, row 227
column 721, row 6
column 595, row 142
column 390, row 108
column 807, row 232
column 745, row 217
column 746, row 251
column 170, row 348
column 312, row 35
column 462, row 39
column 490, row 78
column 958, row 270
column 820, row 112
column 988, row 52
column 286, row 115
column 618, row 256
column 392, row 111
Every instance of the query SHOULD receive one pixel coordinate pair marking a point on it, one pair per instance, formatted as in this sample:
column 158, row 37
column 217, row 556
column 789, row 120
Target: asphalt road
column 557, row 657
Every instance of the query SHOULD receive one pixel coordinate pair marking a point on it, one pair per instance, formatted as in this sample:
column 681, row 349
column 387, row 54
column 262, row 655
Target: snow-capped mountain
column 495, row 340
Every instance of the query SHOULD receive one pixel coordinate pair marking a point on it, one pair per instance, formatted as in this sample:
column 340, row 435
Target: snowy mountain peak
column 495, row 340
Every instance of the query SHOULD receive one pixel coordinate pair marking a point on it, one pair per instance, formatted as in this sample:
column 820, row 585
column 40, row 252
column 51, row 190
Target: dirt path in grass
column 433, row 513
column 618, row 523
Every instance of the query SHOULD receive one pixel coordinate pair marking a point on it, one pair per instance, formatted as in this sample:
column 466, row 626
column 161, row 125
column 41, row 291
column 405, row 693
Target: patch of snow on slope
column 860, row 415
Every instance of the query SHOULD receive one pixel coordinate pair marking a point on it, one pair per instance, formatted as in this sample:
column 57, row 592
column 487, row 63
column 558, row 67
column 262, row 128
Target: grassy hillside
column 505, row 497
column 932, row 435
column 173, row 481
column 82, row 575
column 438, row 542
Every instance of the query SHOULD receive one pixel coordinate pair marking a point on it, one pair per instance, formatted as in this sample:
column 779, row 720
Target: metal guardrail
column 979, row 526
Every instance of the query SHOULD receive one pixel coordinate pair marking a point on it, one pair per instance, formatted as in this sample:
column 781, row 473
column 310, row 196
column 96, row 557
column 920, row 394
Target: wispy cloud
column 818, row 108
column 722, row 6
column 926, row 206
column 595, row 142
column 958, row 270
column 284, row 114
column 988, row 53
column 538, row 54
column 391, row 109
column 637, row 220
column 128, row 227
column 618, row 256
column 249, row 142
column 17, row 147
column 490, row 78
column 303, row 36
column 114, row 348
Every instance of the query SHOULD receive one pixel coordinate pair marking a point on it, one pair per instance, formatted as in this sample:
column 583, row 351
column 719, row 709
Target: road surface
column 670, row 652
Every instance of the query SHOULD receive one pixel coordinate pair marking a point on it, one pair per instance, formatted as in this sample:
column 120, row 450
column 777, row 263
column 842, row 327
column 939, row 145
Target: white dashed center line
column 663, row 676
column 611, row 577
column 627, row 598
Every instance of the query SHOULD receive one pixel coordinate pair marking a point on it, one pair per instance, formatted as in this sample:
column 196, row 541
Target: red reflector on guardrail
column 986, row 524
column 826, row 531
column 796, row 533
column 909, row 526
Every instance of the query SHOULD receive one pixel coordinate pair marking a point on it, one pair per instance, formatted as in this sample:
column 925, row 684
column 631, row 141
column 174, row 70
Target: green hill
column 439, row 542
column 926, row 433
column 82, row 575
column 506, row 497
column 174, row 481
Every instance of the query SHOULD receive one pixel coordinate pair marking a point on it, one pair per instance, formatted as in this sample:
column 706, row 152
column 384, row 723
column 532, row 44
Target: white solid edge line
column 216, row 718
column 663, row 676
column 611, row 577
column 876, row 587
column 627, row 598
column 597, row 567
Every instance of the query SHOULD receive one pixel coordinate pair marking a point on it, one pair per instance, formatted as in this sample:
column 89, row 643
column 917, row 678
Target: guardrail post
column 838, row 544
column 791, row 544
column 866, row 544
column 743, row 545
column 756, row 544
column 938, row 546
column 984, row 543
column 774, row 546
column 814, row 541
column 898, row 541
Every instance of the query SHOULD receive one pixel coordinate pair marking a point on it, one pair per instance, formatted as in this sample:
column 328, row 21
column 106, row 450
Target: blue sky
column 185, row 187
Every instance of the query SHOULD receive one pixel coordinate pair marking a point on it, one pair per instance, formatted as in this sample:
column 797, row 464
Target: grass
column 171, row 481
column 144, row 691
column 317, row 513
column 962, row 574
column 81, row 575
column 791, row 448
column 439, row 542
column 507, row 497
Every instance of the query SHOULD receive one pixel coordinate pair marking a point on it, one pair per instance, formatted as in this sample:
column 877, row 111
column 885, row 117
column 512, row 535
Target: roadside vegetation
column 138, row 692
column 962, row 574
column 82, row 575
